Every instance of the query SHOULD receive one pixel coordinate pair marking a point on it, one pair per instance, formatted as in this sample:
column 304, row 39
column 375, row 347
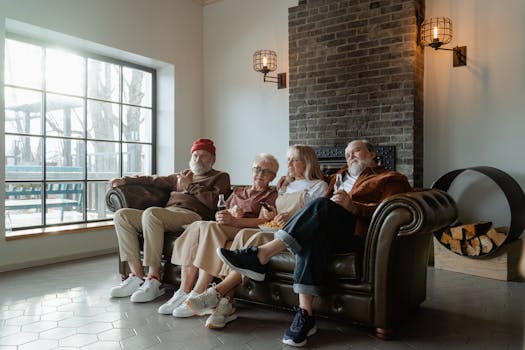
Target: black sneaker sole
column 256, row 276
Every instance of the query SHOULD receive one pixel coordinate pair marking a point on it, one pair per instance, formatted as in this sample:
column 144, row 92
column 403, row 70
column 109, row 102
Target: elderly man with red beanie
column 194, row 194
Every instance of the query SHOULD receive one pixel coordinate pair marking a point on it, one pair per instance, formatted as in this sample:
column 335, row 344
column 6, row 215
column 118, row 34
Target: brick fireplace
column 356, row 72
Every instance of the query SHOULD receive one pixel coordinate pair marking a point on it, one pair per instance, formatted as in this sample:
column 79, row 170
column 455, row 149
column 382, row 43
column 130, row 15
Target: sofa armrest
column 136, row 196
column 395, row 257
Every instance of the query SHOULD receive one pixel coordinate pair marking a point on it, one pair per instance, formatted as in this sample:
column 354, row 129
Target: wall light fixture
column 265, row 61
column 437, row 31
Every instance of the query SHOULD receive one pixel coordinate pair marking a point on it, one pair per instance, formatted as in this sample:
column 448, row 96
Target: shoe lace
column 145, row 286
column 299, row 319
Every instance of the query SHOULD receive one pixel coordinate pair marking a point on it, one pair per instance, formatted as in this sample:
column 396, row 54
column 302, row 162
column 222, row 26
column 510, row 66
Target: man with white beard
column 322, row 227
column 194, row 195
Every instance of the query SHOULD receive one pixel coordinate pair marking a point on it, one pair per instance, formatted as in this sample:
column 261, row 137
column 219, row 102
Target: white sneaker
column 183, row 310
column 178, row 298
column 149, row 291
column 127, row 287
column 204, row 303
column 224, row 313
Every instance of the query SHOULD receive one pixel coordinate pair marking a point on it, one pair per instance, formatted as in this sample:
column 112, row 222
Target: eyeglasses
column 264, row 172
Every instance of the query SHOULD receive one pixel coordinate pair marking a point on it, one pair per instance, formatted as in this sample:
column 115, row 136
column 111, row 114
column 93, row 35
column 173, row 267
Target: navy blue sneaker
column 303, row 326
column 244, row 261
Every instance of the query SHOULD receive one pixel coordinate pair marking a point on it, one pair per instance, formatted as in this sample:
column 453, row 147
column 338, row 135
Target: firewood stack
column 474, row 239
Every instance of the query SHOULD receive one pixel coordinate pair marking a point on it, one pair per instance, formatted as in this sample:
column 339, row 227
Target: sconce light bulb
column 265, row 62
column 435, row 32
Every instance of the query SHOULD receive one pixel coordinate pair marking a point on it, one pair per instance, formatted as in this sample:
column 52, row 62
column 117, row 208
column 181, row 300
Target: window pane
column 137, row 87
column 23, row 110
column 136, row 159
column 64, row 116
column 64, row 159
column 23, row 64
column 23, row 204
column 136, row 124
column 64, row 72
column 103, row 160
column 23, row 157
column 96, row 201
column 64, row 202
column 103, row 80
column 103, row 120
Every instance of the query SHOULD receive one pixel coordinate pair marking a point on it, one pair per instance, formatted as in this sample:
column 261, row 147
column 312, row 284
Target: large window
column 73, row 120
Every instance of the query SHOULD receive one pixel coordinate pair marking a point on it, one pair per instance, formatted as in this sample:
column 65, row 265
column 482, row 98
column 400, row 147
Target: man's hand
column 342, row 198
column 224, row 217
column 183, row 182
column 236, row 212
column 116, row 182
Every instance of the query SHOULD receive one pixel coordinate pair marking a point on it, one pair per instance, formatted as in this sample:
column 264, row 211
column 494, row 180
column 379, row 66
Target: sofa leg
column 384, row 333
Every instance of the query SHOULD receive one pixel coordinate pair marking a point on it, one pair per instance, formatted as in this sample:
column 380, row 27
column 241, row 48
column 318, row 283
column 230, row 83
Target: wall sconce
column 437, row 31
column 265, row 61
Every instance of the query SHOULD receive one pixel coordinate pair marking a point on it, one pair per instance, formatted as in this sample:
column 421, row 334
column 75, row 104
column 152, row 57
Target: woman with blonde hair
column 303, row 183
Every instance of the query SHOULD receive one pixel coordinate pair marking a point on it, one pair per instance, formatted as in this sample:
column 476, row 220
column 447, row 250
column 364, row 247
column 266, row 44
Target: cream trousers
column 152, row 222
column 198, row 244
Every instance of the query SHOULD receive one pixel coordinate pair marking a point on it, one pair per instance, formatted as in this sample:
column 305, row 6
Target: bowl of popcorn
column 270, row 226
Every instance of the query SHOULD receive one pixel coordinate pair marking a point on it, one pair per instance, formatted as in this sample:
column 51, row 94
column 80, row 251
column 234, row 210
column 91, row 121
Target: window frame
column 85, row 178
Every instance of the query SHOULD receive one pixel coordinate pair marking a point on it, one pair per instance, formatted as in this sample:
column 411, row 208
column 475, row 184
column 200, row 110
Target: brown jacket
column 372, row 186
column 200, row 196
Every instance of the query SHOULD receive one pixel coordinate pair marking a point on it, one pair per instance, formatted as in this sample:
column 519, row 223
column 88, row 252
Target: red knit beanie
column 203, row 144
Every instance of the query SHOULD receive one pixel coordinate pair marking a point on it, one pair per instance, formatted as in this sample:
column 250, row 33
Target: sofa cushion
column 343, row 266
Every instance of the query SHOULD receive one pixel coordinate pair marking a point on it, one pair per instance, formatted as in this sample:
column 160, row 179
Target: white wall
column 169, row 32
column 244, row 115
column 475, row 115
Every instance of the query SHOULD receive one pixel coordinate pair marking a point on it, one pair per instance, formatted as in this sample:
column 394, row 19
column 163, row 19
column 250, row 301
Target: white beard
column 199, row 168
column 356, row 168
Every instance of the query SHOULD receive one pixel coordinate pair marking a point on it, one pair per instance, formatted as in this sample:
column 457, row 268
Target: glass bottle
column 221, row 204
column 338, row 185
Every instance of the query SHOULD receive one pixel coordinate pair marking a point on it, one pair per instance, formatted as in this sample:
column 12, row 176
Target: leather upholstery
column 377, row 289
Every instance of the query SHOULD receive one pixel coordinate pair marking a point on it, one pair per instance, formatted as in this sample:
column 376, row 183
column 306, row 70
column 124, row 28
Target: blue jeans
column 321, row 228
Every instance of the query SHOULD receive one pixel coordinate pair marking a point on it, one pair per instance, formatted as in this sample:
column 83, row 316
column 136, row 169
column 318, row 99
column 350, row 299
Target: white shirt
column 314, row 188
column 348, row 181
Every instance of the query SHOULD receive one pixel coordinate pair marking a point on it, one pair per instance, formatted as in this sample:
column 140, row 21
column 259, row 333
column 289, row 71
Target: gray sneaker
column 223, row 313
column 203, row 303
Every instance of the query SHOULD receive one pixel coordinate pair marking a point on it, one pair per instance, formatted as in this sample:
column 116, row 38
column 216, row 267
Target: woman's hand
column 224, row 217
column 342, row 198
column 116, row 182
column 282, row 218
column 267, row 214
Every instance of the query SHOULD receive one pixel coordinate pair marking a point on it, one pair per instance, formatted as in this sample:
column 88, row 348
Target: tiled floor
column 66, row 306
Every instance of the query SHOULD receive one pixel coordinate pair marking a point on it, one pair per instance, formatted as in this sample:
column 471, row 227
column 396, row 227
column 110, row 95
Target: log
column 446, row 238
column 455, row 246
column 476, row 245
column 497, row 237
column 469, row 231
column 457, row 232
column 473, row 247
column 486, row 244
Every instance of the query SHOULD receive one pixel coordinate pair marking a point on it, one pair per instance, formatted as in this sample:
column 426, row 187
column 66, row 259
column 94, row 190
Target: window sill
column 59, row 230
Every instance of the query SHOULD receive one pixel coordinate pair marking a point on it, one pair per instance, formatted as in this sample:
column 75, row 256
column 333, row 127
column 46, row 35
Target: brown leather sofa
column 377, row 289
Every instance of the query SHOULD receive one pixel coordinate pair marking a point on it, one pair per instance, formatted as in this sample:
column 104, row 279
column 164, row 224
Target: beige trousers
column 246, row 237
column 152, row 222
column 198, row 244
